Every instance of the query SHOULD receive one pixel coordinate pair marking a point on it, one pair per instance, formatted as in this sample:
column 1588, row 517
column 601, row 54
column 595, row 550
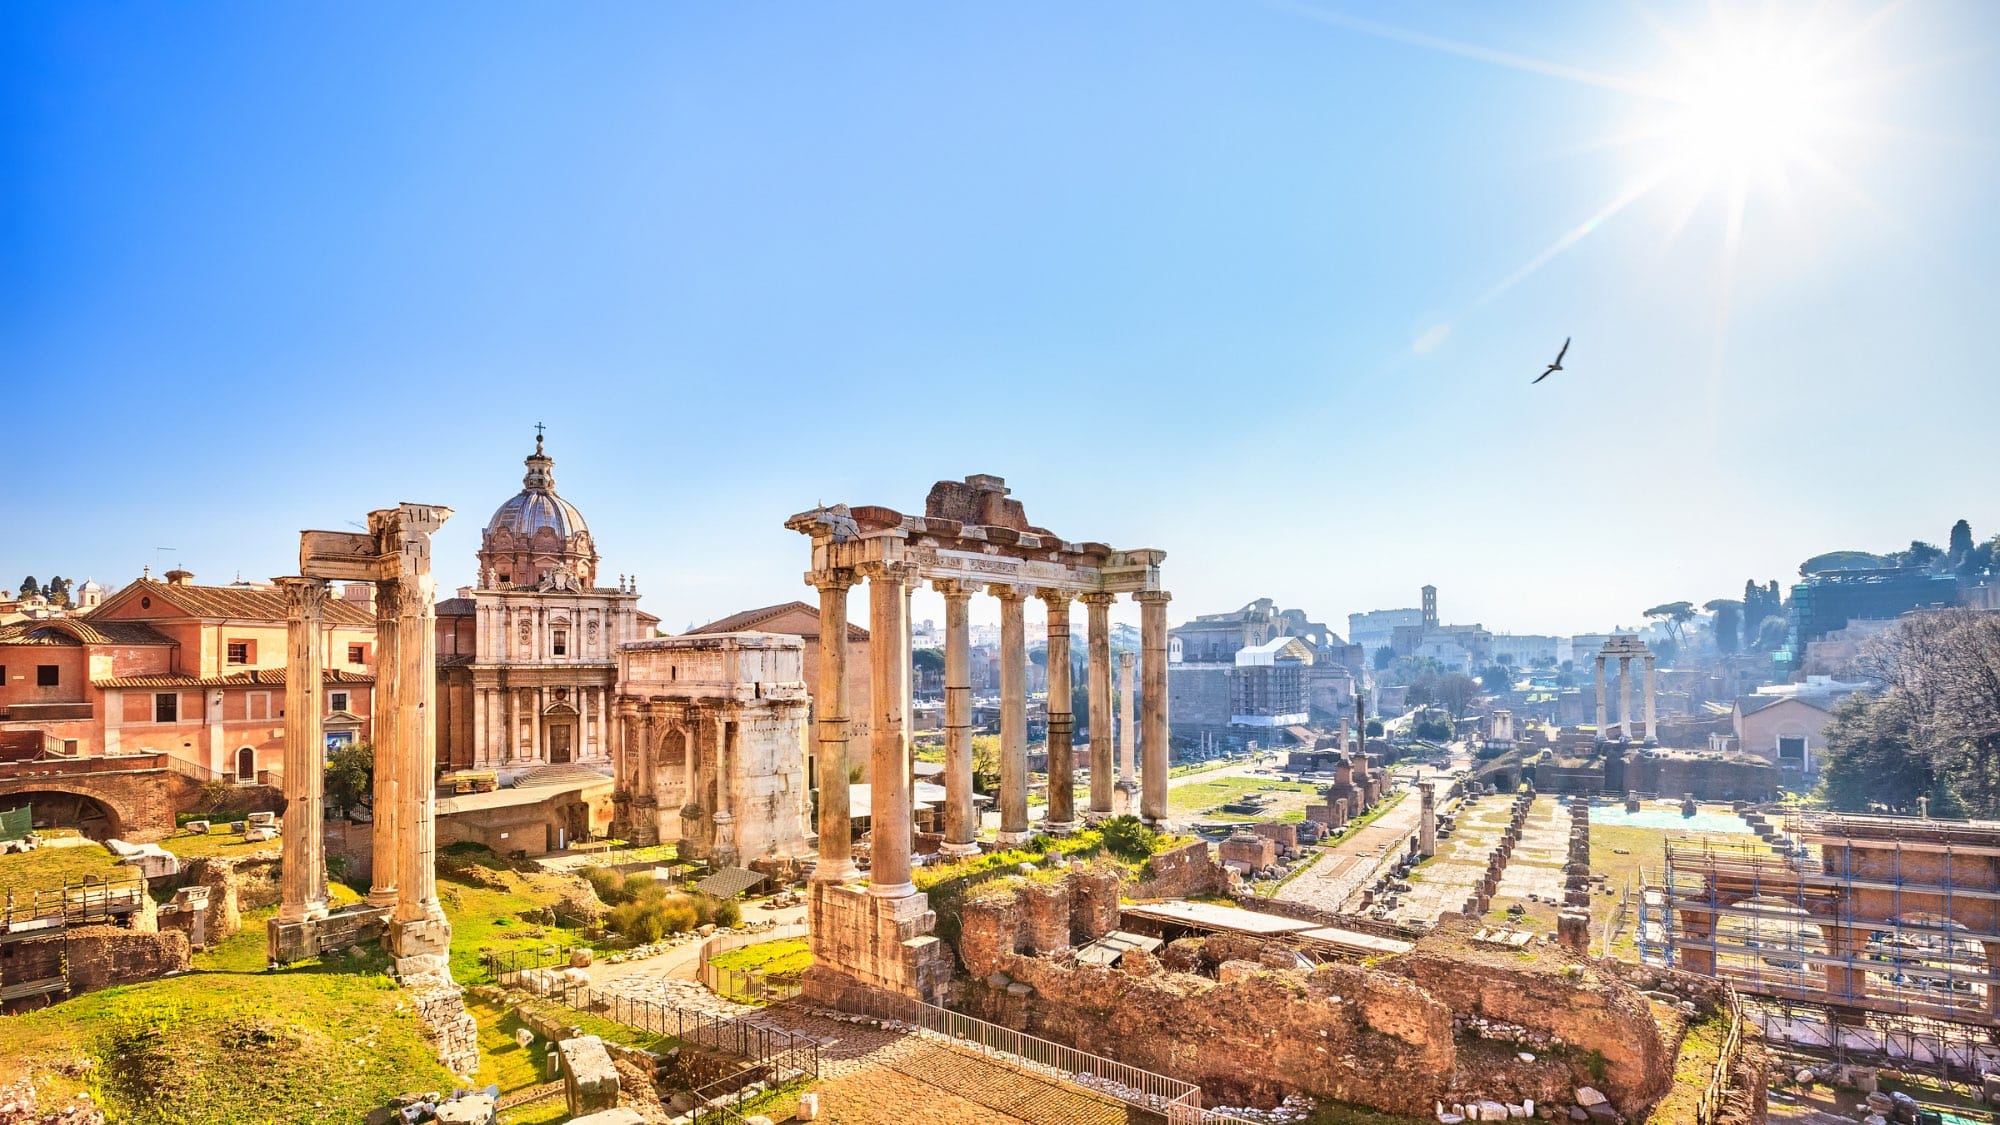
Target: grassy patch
column 48, row 868
column 331, row 1041
column 495, row 920
column 1701, row 1051
column 1645, row 855
column 785, row 959
column 218, row 842
column 1201, row 796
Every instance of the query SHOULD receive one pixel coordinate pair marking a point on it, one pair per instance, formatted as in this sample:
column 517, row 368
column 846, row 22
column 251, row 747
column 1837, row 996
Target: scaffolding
column 1856, row 934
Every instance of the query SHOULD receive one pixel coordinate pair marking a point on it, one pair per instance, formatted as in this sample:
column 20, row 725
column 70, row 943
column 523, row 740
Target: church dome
column 536, row 533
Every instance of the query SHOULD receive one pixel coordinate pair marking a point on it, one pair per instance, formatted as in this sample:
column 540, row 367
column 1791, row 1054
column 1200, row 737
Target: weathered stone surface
column 590, row 1081
column 619, row 1115
column 102, row 956
column 471, row 1109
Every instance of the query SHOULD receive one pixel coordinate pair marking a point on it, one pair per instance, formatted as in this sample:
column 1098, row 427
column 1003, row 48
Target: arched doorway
column 95, row 819
column 246, row 765
column 559, row 733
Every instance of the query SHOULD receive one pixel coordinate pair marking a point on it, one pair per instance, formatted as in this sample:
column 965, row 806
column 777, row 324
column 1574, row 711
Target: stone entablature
column 712, row 753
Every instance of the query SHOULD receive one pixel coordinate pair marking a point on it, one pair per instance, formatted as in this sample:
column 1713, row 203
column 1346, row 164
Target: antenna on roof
column 156, row 558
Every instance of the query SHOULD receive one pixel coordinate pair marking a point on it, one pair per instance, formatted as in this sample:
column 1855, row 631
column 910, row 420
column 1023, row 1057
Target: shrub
column 1128, row 838
column 639, row 886
column 636, row 922
column 609, row 884
column 728, row 914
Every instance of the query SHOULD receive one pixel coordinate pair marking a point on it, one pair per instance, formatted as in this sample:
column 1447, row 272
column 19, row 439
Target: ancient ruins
column 970, row 537
column 1624, row 649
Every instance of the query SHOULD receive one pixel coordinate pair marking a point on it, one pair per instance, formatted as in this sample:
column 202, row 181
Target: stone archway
column 95, row 815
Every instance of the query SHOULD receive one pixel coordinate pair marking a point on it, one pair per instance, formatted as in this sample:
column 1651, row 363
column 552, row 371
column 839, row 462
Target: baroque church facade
column 528, row 655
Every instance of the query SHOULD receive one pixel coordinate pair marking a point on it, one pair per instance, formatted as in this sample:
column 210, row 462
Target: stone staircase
column 1000, row 1087
column 566, row 773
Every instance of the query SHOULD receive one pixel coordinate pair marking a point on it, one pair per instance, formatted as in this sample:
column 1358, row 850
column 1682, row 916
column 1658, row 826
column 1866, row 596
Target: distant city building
column 1259, row 668
column 1786, row 723
column 1377, row 628
column 1826, row 602
column 1523, row 650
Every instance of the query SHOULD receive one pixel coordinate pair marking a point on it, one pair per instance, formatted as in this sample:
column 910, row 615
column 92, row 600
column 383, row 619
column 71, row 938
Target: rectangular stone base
column 876, row 942
column 298, row 941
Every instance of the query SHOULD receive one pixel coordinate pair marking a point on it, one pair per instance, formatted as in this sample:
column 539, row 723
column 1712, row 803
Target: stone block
column 590, row 1081
column 472, row 1109
column 621, row 1115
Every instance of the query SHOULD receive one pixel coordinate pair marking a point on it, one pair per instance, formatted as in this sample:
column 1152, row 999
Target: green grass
column 328, row 1041
column 783, row 959
column 1201, row 796
column 490, row 920
column 48, row 868
column 219, row 841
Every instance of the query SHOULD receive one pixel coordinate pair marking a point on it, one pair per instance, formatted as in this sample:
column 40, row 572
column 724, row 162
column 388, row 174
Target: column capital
column 1055, row 599
column 1010, row 592
column 833, row 578
column 305, row 596
column 954, row 589
column 1152, row 597
column 1098, row 599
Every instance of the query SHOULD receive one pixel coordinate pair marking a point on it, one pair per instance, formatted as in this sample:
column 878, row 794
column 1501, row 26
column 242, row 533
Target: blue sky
column 1227, row 279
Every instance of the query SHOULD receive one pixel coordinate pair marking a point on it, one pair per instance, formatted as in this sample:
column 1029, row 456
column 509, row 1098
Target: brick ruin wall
column 235, row 885
column 1233, row 1015
column 1187, row 871
column 102, row 956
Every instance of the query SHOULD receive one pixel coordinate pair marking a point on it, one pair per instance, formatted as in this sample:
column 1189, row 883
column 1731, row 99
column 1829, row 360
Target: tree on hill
column 1496, row 678
column 1676, row 615
column 1728, row 624
column 29, row 588
column 1841, row 560
column 1384, row 656
column 1772, row 633
column 1960, row 543
column 1919, row 556
column 1456, row 692
column 57, row 591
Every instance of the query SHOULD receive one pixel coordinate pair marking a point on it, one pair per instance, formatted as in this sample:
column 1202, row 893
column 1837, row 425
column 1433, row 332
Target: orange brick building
column 196, row 672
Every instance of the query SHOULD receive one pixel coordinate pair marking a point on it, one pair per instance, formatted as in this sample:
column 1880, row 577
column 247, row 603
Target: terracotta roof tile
column 749, row 620
column 249, row 603
column 81, row 631
column 255, row 677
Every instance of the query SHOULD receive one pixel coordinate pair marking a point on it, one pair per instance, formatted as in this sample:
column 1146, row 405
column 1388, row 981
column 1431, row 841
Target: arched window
column 246, row 764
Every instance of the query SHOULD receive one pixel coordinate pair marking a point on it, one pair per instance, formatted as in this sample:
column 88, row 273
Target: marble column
column 1652, row 701
column 510, row 740
column 1062, row 720
column 1128, row 785
column 1153, row 733
column 583, row 723
column 1603, row 730
column 419, row 927
column 480, row 754
column 1625, row 698
column 961, row 821
column 1097, row 683
column 303, row 872
column 909, row 710
column 889, row 757
column 1013, row 715
column 540, row 704
column 384, row 839
column 836, row 834
column 724, row 816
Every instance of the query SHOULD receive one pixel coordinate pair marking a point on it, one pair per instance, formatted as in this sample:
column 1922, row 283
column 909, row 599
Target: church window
column 559, row 642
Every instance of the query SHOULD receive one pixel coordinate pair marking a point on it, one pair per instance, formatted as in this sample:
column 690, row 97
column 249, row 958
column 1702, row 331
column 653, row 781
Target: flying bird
column 1557, row 365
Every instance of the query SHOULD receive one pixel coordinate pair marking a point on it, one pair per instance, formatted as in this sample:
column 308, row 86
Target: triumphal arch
column 970, row 539
column 402, row 905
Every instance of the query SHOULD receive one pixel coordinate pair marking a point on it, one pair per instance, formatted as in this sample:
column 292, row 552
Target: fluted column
column 961, row 823
column 1603, row 728
column 1153, row 735
column 1625, row 698
column 1097, row 682
column 383, row 838
column 1062, row 721
column 889, row 758
column 1128, row 783
column 303, row 872
column 836, row 833
column 1652, row 701
column 1013, row 715
column 480, row 754
column 420, row 928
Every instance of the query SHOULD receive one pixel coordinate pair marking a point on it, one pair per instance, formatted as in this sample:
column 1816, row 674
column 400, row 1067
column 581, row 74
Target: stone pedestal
column 872, row 942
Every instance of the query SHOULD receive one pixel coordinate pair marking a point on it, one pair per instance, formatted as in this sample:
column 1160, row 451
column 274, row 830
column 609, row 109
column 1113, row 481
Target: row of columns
column 1625, row 697
column 404, row 740
column 501, row 710
column 889, row 587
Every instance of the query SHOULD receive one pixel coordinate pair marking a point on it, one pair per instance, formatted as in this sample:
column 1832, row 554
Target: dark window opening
column 166, row 707
column 48, row 675
column 239, row 652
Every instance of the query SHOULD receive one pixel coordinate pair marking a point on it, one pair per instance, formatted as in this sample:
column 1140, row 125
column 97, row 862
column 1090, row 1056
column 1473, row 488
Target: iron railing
column 77, row 902
column 783, row 1055
column 748, row 986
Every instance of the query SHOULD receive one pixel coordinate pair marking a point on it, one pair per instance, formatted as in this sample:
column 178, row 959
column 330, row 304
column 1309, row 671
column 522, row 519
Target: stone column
column 540, row 705
column 419, row 934
column 303, row 874
column 909, row 709
column 1625, row 698
column 1603, row 730
column 1098, row 685
column 888, row 672
column 723, row 817
column 510, row 742
column 583, row 723
column 1153, row 736
column 384, row 838
column 1652, row 701
column 1427, row 821
column 836, row 834
column 961, row 823
column 1062, row 721
column 1128, row 783
column 1013, row 715
column 479, row 752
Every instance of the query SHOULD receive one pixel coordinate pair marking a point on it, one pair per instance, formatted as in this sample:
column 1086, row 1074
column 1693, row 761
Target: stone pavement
column 1334, row 879
column 915, row 1079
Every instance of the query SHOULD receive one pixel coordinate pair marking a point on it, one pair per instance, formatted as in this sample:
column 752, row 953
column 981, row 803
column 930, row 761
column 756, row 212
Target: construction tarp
column 16, row 823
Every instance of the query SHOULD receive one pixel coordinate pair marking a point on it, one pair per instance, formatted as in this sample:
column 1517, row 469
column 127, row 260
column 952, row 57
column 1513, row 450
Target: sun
column 1747, row 104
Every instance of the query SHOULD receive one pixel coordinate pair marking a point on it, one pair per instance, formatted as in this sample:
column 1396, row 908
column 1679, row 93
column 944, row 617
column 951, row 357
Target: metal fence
column 782, row 1055
column 747, row 986
column 1709, row 1105
column 77, row 902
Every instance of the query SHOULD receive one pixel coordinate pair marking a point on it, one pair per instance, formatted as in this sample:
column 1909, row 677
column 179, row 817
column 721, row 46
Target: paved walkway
column 1334, row 879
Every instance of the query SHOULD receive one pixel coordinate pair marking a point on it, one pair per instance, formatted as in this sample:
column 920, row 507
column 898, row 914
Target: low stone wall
column 235, row 884
column 1188, row 871
column 102, row 956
